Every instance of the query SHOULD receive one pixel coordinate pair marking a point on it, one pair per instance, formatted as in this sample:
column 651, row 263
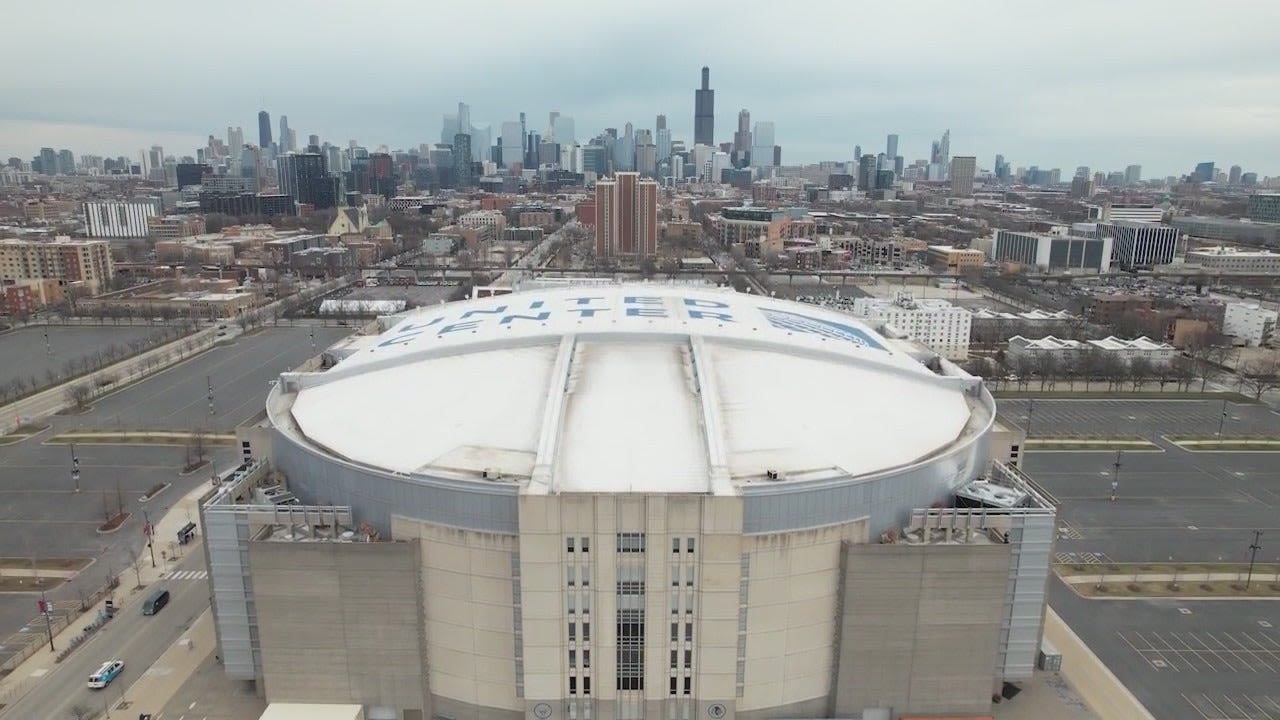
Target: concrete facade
column 334, row 624
column 920, row 628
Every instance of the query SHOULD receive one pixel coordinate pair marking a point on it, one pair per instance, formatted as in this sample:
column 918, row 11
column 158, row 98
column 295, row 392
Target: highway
column 137, row 639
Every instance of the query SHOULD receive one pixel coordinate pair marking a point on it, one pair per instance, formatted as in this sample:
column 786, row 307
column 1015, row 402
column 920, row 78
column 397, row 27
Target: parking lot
column 240, row 374
column 41, row 514
column 1138, row 417
column 25, row 354
column 1184, row 659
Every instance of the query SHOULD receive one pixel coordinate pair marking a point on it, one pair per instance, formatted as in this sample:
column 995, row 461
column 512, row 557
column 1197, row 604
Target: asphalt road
column 23, row 352
column 240, row 373
column 137, row 639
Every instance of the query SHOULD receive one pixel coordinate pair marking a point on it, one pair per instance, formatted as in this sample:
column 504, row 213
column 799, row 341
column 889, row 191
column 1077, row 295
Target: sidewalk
column 26, row 675
column 171, row 670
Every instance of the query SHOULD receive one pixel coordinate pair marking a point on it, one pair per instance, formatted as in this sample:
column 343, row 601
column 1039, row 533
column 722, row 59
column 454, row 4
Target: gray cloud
column 1104, row 84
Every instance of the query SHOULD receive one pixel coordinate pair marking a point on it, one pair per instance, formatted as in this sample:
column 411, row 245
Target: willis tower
column 704, row 111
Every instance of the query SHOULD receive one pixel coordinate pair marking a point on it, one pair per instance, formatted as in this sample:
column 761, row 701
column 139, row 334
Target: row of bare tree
column 1096, row 368
column 19, row 387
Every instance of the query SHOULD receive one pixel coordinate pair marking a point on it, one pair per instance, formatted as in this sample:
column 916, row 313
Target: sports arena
column 629, row 501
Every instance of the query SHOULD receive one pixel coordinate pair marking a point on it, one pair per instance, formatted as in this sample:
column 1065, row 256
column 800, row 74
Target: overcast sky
column 1055, row 84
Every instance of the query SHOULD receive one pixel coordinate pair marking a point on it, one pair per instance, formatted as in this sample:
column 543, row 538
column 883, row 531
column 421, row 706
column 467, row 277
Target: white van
column 105, row 674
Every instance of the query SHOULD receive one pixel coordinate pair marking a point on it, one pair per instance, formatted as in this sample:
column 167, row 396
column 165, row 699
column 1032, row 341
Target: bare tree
column 197, row 448
column 1183, row 372
column 1140, row 371
column 80, row 393
column 1261, row 375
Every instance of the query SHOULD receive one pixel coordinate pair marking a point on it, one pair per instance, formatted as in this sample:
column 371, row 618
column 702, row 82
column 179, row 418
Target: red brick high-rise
column 626, row 216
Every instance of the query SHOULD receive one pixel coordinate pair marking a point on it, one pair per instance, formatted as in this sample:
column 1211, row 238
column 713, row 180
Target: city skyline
column 1212, row 104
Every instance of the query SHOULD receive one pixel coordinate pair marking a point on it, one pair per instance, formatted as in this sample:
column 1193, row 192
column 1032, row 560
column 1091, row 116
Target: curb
column 115, row 529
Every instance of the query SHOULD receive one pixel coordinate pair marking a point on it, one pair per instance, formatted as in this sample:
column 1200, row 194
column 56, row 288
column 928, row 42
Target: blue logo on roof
column 793, row 322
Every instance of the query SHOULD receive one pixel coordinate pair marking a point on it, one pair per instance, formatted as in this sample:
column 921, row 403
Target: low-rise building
column 523, row 235
column 1070, row 352
column 1219, row 228
column 1231, row 260
column 1139, row 244
column 485, row 219
column 182, row 297
column 1251, row 323
column 1052, row 251
column 938, row 324
column 170, row 227
column 955, row 260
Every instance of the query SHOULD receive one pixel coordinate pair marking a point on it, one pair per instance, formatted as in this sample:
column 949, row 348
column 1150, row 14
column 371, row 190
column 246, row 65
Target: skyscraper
column 867, row 173
column 512, row 152
column 762, row 145
column 742, row 139
column 660, row 123
column 304, row 177
column 704, row 112
column 462, row 160
column 1234, row 177
column 449, row 128
column 563, row 132
column 235, row 141
column 286, row 142
column 891, row 147
column 963, row 168
column 1203, row 172
column 1133, row 175
column 626, row 216
column 264, row 129
column 663, row 138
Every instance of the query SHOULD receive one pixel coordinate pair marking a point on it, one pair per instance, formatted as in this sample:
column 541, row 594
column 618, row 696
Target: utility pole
column 312, row 331
column 150, row 531
column 48, row 349
column 75, row 467
column 1115, row 476
column 1031, row 411
column 1253, row 555
column 209, row 382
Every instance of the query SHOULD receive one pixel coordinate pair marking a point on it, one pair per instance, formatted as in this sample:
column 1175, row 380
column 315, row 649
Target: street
column 137, row 639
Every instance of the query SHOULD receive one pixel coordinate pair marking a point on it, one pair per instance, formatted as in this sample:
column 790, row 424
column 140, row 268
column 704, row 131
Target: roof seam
column 553, row 415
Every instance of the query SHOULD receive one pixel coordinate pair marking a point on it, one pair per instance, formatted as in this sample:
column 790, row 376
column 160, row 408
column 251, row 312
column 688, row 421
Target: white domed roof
column 630, row 388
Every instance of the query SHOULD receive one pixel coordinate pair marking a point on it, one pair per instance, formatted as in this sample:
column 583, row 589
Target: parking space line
column 1244, row 714
column 1263, row 659
column 1266, row 636
column 1212, row 667
column 1216, row 653
column 1164, row 663
column 1189, row 702
column 1165, row 655
column 1235, row 654
column 1221, row 715
column 1265, row 713
column 1182, row 657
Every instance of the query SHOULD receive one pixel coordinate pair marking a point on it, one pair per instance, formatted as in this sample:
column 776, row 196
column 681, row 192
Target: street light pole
column 1253, row 555
column 1031, row 411
column 1115, row 476
column 75, row 467
column 146, row 524
column 45, row 610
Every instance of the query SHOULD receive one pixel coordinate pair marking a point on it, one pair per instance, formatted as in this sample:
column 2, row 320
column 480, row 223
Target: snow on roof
column 630, row 388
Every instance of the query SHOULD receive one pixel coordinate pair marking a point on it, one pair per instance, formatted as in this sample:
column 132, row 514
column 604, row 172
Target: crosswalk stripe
column 185, row 575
